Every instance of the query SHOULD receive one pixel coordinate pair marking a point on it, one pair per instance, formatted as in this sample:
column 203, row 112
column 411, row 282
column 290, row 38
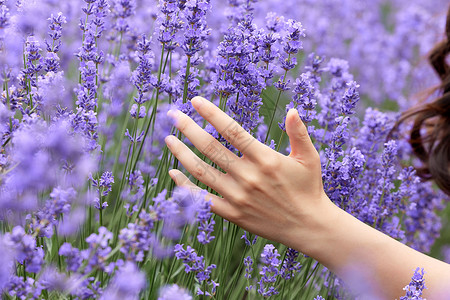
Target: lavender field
column 87, row 208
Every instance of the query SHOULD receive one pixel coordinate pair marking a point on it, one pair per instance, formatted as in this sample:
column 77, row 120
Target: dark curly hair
column 430, row 132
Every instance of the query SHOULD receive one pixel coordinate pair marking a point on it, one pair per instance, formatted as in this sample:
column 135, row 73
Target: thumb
column 301, row 146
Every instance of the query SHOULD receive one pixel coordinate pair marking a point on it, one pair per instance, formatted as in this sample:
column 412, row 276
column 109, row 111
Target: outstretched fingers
column 229, row 128
column 219, row 206
column 197, row 167
column 204, row 142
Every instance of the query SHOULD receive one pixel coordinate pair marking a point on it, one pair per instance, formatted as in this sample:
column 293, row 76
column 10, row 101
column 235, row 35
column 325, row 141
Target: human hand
column 275, row 196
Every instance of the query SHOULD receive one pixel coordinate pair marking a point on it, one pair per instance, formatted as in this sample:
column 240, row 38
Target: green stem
column 122, row 181
column 186, row 82
column 274, row 110
column 152, row 117
column 280, row 140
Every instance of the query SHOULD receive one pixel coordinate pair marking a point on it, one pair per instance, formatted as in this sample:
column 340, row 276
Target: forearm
column 340, row 241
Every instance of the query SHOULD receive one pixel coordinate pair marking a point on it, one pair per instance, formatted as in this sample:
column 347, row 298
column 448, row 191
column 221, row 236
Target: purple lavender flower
column 173, row 292
column 85, row 120
column 98, row 250
column 44, row 157
column 104, row 186
column 52, row 60
column 422, row 224
column 304, row 97
column 24, row 288
column 134, row 111
column 239, row 79
column 187, row 202
column 169, row 18
column 314, row 67
column 415, row 288
column 142, row 77
column 269, row 271
column 26, row 250
column 93, row 24
column 331, row 102
column 7, row 261
column 291, row 44
column 375, row 127
column 274, row 22
column 290, row 266
column 194, row 263
column 135, row 138
column 88, row 289
column 206, row 222
column 269, row 52
column 48, row 217
column 33, row 60
column 169, row 211
column 248, row 262
column 127, row 283
column 238, row 10
column 134, row 192
column 305, row 91
column 51, row 92
column 87, row 92
column 4, row 22
column 341, row 177
column 105, row 183
column 196, row 30
column 138, row 239
column 122, row 10
column 350, row 98
column 52, row 280
column 101, row 12
column 73, row 258
column 281, row 84
column 247, row 241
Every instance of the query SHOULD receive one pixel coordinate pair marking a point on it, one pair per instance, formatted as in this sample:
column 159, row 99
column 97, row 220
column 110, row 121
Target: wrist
column 311, row 234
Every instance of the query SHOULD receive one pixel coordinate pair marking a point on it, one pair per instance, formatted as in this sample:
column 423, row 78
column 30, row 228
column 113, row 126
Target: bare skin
column 281, row 198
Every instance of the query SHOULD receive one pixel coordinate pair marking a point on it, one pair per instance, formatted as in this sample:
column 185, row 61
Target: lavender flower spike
column 415, row 288
column 206, row 222
column 173, row 292
column 269, row 272
column 126, row 284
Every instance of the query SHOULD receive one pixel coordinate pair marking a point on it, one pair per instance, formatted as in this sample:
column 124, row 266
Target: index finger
column 228, row 128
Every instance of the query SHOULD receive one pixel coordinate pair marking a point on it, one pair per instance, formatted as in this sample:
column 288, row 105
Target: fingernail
column 197, row 102
column 169, row 140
